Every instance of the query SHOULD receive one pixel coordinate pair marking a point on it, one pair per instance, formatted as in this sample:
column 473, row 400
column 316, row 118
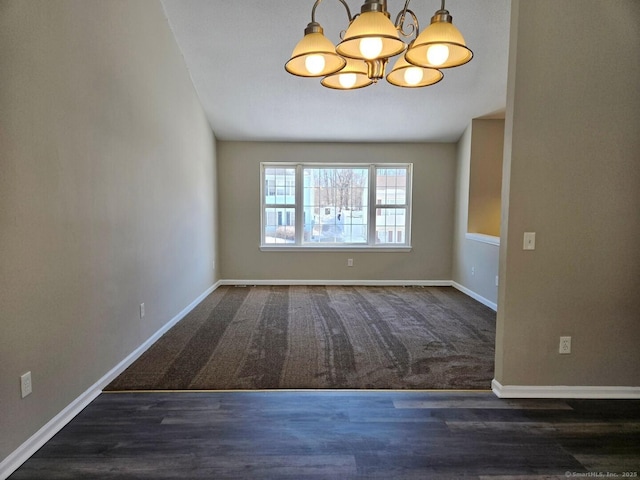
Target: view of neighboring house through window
column 332, row 204
column 279, row 204
column 391, row 205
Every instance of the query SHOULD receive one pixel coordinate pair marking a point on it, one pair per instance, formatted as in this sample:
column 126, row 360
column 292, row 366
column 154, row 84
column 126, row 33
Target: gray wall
column 107, row 196
column 477, row 144
column 572, row 170
column 433, row 203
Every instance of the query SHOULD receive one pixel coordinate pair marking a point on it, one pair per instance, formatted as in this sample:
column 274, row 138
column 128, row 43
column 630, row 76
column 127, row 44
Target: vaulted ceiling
column 235, row 52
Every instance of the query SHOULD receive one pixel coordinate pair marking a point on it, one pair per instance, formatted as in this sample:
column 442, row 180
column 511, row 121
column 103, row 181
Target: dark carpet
column 315, row 337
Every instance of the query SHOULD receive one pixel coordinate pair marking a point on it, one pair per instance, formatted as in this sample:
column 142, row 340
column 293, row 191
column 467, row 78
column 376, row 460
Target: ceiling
column 236, row 50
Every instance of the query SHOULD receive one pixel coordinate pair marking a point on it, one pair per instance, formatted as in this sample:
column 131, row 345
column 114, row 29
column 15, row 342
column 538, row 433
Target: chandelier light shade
column 353, row 75
column 314, row 55
column 440, row 45
column 371, row 39
column 371, row 36
column 406, row 75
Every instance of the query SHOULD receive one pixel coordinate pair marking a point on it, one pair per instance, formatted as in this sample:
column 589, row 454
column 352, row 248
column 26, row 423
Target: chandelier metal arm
column 318, row 2
column 443, row 13
column 412, row 28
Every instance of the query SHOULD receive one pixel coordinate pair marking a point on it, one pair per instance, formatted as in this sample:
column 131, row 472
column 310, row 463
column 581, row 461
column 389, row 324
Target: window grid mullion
column 299, row 208
column 373, row 176
column 409, row 202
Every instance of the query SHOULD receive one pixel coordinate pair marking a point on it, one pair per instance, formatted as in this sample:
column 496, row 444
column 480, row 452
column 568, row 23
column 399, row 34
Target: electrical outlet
column 565, row 345
column 142, row 310
column 473, row 271
column 213, row 264
column 497, row 280
column 349, row 262
column 25, row 384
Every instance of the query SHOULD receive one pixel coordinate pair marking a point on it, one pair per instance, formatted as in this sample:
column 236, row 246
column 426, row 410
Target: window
column 279, row 207
column 311, row 205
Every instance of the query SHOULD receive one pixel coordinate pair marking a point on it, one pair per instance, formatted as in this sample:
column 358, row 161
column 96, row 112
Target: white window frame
column 370, row 246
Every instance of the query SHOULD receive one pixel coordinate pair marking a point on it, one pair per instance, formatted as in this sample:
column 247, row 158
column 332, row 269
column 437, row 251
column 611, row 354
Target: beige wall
column 106, row 196
column 475, row 264
column 485, row 176
column 433, row 201
column 572, row 169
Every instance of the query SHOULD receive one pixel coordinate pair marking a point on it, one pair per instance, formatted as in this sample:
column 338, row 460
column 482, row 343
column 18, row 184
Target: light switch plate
column 529, row 242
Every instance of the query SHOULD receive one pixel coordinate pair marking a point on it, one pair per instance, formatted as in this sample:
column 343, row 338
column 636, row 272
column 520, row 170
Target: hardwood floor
column 341, row 434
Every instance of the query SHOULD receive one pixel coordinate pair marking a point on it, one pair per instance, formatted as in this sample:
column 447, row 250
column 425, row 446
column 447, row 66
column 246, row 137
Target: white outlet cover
column 25, row 384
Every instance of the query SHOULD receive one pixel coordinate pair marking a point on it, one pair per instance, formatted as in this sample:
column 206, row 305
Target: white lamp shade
column 449, row 47
column 406, row 75
column 320, row 49
column 371, row 25
column 356, row 73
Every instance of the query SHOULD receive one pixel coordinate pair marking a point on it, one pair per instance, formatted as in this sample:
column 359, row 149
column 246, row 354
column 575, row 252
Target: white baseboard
column 493, row 306
column 365, row 283
column 133, row 356
column 42, row 436
column 562, row 391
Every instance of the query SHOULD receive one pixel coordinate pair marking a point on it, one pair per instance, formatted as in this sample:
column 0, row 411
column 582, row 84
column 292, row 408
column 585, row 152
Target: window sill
column 364, row 248
column 481, row 237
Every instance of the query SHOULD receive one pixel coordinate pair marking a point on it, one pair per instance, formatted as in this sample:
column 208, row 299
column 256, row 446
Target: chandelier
column 371, row 39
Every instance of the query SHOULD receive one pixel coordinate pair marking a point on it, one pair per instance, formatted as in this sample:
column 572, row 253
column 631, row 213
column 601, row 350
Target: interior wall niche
column 485, row 177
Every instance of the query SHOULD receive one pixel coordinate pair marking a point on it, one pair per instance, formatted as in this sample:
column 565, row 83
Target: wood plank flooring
column 341, row 434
